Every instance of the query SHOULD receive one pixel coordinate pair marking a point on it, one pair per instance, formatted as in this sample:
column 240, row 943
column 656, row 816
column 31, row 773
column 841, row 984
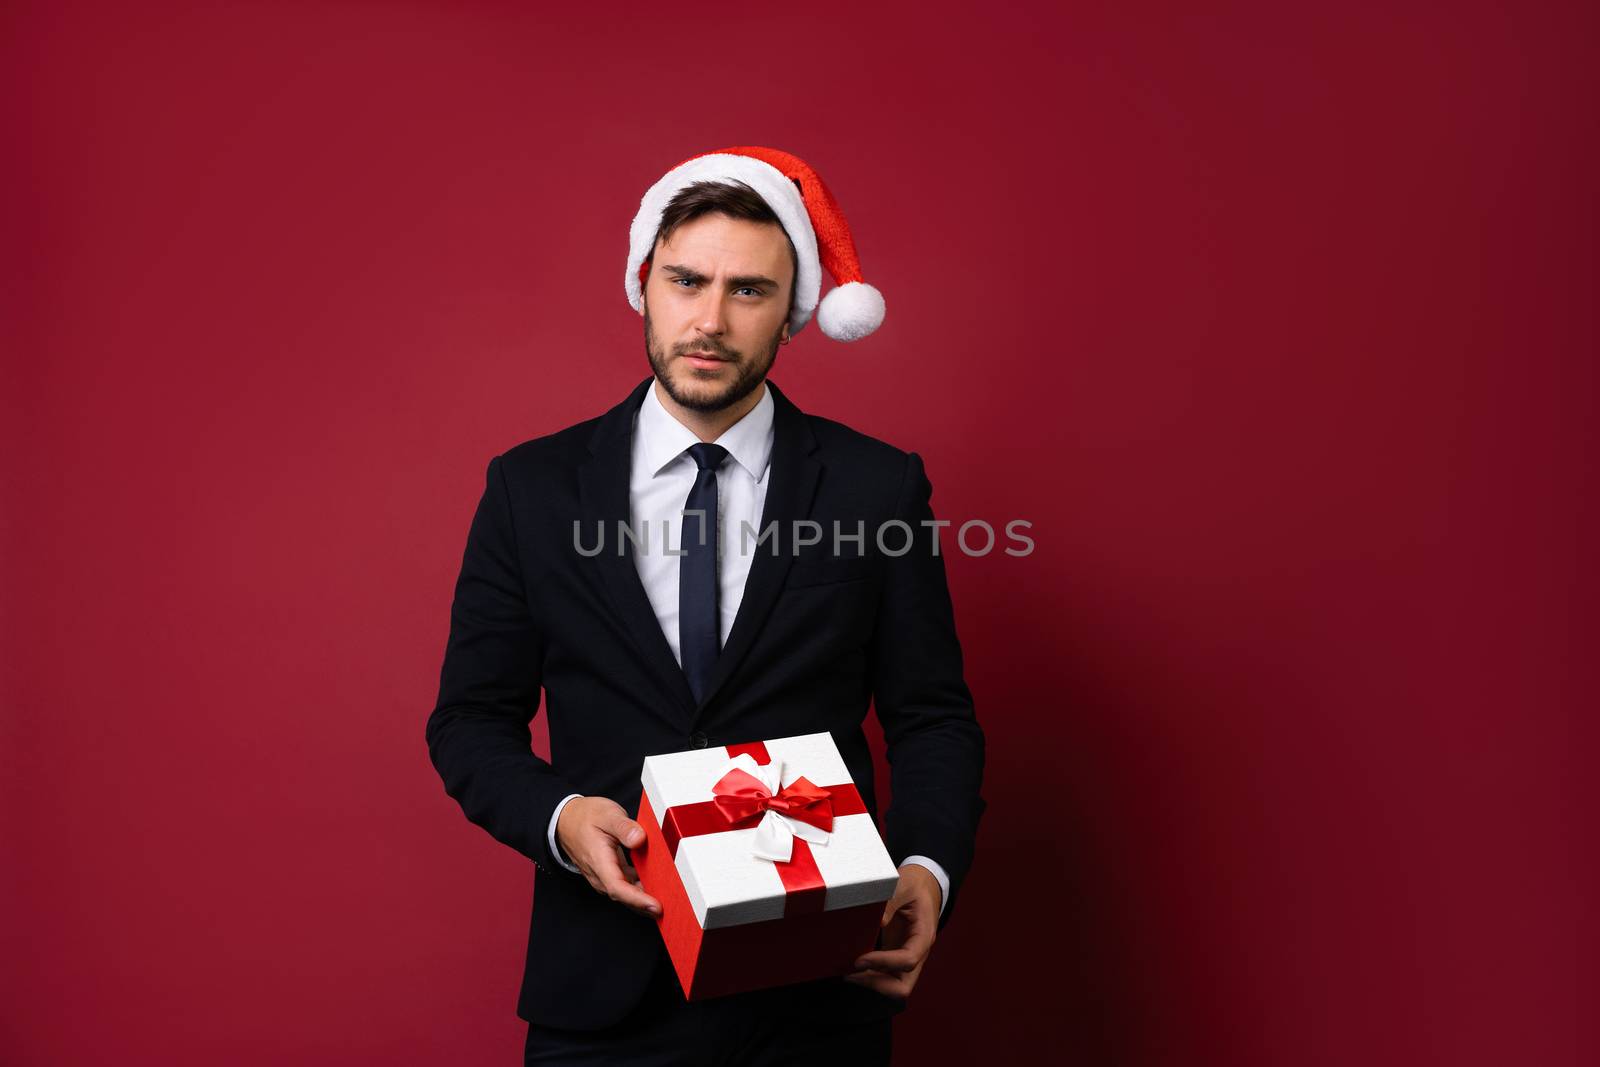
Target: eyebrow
column 690, row 274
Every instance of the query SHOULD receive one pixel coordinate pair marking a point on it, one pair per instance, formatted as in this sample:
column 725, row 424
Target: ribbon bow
column 748, row 794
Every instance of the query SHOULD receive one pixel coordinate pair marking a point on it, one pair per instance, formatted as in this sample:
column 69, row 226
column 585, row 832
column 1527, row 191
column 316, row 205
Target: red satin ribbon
column 706, row 816
column 743, row 800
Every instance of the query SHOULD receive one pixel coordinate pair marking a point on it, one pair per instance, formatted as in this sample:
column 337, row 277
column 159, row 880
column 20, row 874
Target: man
column 688, row 633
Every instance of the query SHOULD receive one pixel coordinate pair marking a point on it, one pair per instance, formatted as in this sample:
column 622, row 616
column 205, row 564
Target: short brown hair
column 732, row 198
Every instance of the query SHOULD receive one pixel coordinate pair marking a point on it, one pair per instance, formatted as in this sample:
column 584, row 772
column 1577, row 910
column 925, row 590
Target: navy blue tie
column 699, row 623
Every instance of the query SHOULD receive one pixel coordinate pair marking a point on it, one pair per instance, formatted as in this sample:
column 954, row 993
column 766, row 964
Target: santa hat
column 809, row 215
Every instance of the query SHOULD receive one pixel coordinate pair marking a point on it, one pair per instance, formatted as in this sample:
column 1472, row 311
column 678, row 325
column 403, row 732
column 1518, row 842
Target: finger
column 618, row 888
column 902, row 942
column 918, row 938
column 629, row 895
column 890, row 986
column 624, row 829
column 895, row 961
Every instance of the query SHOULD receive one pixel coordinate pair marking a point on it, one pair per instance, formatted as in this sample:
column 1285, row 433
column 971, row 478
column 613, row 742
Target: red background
column 1279, row 326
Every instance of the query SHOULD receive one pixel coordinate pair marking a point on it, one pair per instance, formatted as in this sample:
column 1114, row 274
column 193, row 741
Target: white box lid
column 726, row 883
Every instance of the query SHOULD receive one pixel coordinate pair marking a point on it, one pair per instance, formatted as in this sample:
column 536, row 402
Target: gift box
column 768, row 867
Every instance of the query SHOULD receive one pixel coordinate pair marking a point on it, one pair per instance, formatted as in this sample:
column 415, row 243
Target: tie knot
column 708, row 457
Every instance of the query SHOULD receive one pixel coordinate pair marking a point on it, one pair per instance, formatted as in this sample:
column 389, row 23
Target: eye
column 748, row 289
column 685, row 281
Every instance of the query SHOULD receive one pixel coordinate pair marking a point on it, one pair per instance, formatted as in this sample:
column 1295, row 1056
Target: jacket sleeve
column 477, row 734
column 934, row 744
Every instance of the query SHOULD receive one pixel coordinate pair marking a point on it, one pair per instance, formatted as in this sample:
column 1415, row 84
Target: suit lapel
column 603, row 498
column 794, row 474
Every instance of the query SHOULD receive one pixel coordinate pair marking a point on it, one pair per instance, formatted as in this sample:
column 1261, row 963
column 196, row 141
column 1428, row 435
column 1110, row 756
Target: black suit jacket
column 817, row 637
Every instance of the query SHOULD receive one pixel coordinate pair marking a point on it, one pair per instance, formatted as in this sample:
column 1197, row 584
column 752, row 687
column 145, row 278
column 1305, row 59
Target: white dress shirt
column 660, row 476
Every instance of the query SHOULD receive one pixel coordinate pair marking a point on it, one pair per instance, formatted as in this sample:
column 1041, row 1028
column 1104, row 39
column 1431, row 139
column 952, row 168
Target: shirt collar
column 664, row 439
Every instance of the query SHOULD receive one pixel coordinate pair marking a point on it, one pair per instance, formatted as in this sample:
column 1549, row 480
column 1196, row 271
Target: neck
column 710, row 425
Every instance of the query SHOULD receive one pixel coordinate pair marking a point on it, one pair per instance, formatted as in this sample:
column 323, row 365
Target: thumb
column 627, row 831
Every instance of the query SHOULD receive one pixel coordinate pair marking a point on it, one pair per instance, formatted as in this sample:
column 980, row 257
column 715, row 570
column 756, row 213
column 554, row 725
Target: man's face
column 716, row 308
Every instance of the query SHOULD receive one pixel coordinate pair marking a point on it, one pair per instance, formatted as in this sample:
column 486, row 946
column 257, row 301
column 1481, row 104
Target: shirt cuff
column 938, row 874
column 555, row 849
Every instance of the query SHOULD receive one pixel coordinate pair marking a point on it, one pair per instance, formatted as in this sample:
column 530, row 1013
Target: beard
column 701, row 395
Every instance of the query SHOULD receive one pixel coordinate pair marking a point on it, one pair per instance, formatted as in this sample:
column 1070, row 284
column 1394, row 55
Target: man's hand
column 592, row 831
column 910, row 923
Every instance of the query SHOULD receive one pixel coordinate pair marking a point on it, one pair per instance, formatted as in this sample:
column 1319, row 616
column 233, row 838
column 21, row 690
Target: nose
column 711, row 319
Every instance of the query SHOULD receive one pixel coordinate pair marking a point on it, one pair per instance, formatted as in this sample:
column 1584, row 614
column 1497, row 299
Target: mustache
column 714, row 350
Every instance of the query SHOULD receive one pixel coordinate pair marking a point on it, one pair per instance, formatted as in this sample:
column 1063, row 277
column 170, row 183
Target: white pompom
column 850, row 311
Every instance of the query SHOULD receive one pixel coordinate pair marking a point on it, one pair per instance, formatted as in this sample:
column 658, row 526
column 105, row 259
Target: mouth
column 703, row 360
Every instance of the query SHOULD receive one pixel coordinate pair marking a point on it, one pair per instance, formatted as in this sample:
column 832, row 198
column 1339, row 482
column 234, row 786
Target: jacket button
column 699, row 740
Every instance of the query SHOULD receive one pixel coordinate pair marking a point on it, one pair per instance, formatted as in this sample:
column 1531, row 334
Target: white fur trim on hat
column 771, row 185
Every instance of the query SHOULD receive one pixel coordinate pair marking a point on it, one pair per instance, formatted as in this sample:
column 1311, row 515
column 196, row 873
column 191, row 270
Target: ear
column 783, row 336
